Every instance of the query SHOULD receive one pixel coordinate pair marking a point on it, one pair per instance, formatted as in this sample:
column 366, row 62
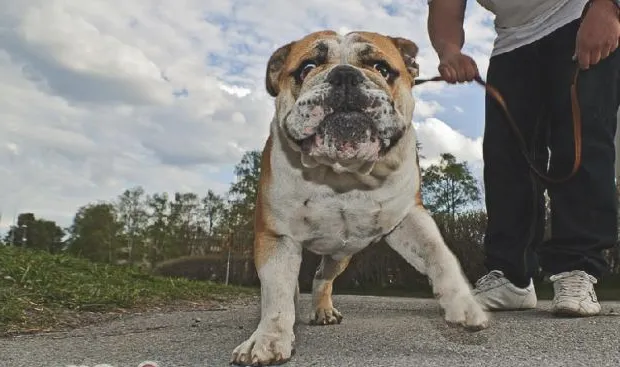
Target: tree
column 247, row 172
column 158, row 231
column 213, row 207
column 131, row 211
column 96, row 233
column 47, row 235
column 242, row 200
column 449, row 186
column 183, row 223
column 213, row 214
column 41, row 234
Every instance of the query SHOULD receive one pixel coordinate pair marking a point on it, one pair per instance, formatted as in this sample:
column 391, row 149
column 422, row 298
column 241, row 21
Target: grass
column 40, row 291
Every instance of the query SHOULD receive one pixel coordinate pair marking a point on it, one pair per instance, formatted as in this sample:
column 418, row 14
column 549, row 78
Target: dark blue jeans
column 535, row 81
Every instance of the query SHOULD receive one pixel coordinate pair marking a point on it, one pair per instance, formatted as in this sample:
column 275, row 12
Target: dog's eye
column 305, row 69
column 384, row 69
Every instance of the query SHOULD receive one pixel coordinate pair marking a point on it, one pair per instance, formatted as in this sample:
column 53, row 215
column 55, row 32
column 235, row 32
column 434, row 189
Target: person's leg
column 583, row 209
column 514, row 201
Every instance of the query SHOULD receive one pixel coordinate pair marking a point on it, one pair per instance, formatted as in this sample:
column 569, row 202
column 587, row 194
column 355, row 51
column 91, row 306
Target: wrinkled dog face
column 343, row 101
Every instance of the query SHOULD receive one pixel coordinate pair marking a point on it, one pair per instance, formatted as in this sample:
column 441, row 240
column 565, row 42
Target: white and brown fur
column 336, row 208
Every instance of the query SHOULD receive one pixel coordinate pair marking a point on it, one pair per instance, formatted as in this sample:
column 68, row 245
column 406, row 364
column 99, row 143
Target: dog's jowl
column 339, row 172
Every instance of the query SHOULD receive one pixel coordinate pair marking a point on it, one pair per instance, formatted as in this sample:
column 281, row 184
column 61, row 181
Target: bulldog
column 340, row 171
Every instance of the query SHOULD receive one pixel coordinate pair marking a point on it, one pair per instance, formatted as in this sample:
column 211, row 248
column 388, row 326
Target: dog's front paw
column 465, row 311
column 263, row 349
column 325, row 316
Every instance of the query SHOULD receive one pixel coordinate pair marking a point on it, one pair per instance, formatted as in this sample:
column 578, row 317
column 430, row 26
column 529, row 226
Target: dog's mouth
column 342, row 137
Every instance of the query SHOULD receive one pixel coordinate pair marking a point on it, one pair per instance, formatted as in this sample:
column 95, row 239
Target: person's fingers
column 605, row 51
column 475, row 68
column 453, row 75
column 471, row 70
column 447, row 73
column 595, row 56
column 609, row 47
column 459, row 73
column 583, row 57
column 459, row 69
column 614, row 45
column 467, row 68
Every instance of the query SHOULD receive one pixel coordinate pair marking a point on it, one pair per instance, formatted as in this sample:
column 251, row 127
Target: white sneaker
column 495, row 292
column 574, row 294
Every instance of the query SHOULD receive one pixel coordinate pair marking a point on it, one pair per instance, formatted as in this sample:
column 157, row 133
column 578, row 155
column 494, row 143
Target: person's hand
column 456, row 67
column 598, row 34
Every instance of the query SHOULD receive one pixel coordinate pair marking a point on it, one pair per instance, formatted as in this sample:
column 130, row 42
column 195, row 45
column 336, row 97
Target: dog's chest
column 343, row 224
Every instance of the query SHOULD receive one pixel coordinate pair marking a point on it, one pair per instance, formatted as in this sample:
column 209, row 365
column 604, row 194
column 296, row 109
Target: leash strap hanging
column 576, row 112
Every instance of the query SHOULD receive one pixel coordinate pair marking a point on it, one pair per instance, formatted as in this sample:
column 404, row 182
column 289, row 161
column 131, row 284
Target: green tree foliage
column 132, row 213
column 244, row 191
column 158, row 233
column 34, row 233
column 96, row 233
column 449, row 187
column 213, row 210
column 140, row 229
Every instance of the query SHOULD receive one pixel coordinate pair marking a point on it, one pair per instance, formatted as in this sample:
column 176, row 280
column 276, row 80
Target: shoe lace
column 490, row 280
column 573, row 284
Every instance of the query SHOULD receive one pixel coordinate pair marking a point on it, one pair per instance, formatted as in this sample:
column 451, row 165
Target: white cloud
column 235, row 90
column 98, row 96
column 424, row 108
column 438, row 137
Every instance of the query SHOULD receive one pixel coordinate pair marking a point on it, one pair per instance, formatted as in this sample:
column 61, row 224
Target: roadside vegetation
column 41, row 291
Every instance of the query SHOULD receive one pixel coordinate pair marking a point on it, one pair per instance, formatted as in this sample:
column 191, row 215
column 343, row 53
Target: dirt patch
column 65, row 320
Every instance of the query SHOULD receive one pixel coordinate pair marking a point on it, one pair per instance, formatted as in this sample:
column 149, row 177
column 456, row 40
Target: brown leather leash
column 493, row 92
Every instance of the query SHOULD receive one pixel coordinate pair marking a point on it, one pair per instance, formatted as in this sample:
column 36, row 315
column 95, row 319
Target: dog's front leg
column 418, row 240
column 277, row 259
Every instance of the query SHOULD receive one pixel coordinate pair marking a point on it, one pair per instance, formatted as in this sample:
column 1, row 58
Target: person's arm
column 445, row 29
column 445, row 25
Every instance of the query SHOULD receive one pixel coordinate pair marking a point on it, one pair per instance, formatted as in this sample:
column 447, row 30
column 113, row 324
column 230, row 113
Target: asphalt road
column 376, row 331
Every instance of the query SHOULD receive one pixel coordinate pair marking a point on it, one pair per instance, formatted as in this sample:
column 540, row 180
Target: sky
column 99, row 96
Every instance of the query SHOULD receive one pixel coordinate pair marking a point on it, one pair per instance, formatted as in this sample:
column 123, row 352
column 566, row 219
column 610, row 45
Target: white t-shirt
column 520, row 22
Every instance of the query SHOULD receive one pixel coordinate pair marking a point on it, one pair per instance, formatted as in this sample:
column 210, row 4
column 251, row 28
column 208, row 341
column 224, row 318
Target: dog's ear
column 275, row 65
column 408, row 51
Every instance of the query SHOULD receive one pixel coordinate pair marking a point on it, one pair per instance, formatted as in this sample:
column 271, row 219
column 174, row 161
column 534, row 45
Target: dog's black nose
column 345, row 75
